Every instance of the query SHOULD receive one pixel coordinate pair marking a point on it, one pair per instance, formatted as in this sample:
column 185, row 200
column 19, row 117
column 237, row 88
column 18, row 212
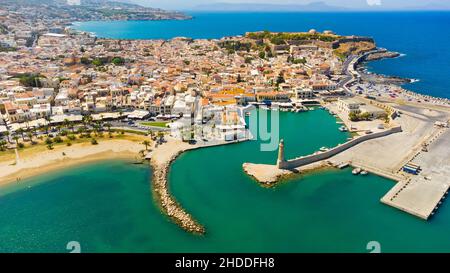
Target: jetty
column 161, row 157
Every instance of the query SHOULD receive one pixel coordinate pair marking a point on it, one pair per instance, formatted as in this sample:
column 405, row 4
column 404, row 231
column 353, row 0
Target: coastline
column 49, row 161
column 376, row 78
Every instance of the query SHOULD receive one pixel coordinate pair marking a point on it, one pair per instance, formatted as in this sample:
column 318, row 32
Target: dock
column 418, row 197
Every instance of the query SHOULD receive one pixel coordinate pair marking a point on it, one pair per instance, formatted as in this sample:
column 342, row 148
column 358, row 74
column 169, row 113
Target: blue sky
column 359, row 4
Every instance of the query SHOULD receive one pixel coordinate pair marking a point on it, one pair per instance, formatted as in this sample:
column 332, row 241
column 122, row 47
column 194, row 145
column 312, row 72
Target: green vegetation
column 340, row 55
column 233, row 46
column 359, row 116
column 291, row 59
column 155, row 123
column 7, row 49
column 282, row 37
column 98, row 62
column 30, row 80
column 85, row 61
column 262, row 54
column 117, row 61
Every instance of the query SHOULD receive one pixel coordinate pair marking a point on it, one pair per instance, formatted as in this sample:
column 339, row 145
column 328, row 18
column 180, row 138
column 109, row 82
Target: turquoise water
column 107, row 206
column 422, row 36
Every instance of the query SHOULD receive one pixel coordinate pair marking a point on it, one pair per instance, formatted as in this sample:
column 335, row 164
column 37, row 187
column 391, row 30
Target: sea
column 107, row 206
column 421, row 37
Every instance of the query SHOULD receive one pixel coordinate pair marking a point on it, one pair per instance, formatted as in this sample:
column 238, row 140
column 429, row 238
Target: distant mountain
column 316, row 6
column 89, row 10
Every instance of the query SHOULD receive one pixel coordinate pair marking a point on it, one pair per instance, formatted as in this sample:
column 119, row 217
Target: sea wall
column 305, row 160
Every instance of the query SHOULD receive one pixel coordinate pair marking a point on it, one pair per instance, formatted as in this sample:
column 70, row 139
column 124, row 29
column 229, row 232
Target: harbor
column 410, row 156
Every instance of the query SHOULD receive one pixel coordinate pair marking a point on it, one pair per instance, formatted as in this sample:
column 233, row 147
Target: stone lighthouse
column 281, row 162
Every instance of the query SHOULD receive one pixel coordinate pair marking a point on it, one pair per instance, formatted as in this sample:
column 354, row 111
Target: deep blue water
column 422, row 36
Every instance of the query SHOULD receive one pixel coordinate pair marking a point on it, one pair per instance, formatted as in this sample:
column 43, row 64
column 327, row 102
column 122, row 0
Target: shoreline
column 37, row 164
column 363, row 69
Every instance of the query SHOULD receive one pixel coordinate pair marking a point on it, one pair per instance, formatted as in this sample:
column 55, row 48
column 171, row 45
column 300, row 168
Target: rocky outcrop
column 382, row 55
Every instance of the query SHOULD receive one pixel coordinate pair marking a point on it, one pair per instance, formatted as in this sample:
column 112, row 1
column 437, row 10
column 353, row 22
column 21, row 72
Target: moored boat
column 356, row 171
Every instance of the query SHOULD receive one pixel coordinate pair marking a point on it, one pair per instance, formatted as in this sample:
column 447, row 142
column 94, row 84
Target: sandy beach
column 31, row 164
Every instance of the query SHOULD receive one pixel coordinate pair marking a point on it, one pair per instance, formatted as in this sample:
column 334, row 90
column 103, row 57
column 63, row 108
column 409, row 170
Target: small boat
column 356, row 171
column 363, row 172
column 343, row 128
column 324, row 149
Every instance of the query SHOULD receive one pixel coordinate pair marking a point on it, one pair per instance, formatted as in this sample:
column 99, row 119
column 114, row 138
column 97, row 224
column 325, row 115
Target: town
column 62, row 86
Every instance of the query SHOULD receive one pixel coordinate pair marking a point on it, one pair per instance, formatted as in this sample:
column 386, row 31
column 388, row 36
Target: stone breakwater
column 160, row 159
column 168, row 204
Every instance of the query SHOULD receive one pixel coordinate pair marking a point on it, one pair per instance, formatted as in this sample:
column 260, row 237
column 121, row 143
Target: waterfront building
column 348, row 106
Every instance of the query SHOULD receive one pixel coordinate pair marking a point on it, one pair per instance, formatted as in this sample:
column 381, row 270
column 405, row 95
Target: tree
column 21, row 132
column 280, row 79
column 262, row 54
column 97, row 62
column 3, row 145
column 85, row 61
column 353, row 116
column 117, row 61
column 48, row 141
column 87, row 119
column 7, row 134
column 16, row 139
column 146, row 143
column 365, row 116
column 68, row 124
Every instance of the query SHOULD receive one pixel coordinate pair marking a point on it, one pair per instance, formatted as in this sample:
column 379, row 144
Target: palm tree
column 46, row 128
column 146, row 143
column 68, row 125
column 2, row 145
column 87, row 119
column 152, row 135
column 7, row 134
column 16, row 139
column 21, row 132
column 108, row 125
